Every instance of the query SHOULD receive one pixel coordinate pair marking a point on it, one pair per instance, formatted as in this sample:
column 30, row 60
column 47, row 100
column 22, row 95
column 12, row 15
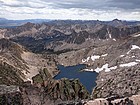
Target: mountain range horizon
column 3, row 18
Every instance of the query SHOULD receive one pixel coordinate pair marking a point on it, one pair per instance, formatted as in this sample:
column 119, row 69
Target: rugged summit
column 53, row 92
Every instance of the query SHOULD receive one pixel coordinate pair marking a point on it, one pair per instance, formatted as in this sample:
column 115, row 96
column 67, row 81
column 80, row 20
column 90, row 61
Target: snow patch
column 133, row 56
column 135, row 47
column 88, row 59
column 110, row 36
column 88, row 70
column 104, row 55
column 137, row 60
column 105, row 67
column 128, row 64
column 114, row 39
column 113, row 68
column 136, row 35
column 102, row 79
column 85, row 60
column 122, row 55
column 94, row 57
column 109, row 33
column 128, row 52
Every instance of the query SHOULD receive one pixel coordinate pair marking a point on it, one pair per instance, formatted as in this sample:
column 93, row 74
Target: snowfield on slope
column 128, row 64
column 93, row 57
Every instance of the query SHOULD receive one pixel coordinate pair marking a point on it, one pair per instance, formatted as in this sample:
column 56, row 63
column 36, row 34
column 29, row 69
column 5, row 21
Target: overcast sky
column 70, row 9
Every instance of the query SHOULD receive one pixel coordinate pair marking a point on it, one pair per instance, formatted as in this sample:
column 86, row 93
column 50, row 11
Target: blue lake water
column 73, row 72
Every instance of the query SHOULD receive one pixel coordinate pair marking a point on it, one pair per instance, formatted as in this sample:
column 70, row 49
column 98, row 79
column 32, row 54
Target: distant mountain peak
column 3, row 19
column 117, row 22
column 116, row 19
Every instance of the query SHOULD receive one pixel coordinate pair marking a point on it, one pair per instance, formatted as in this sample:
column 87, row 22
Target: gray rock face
column 8, row 89
column 52, row 92
column 134, row 100
column 65, row 89
column 10, row 95
column 120, row 83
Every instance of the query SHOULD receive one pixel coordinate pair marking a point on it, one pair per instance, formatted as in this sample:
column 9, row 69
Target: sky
column 70, row 9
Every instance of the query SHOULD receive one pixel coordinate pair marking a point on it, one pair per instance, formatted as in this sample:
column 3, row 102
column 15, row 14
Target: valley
column 34, row 57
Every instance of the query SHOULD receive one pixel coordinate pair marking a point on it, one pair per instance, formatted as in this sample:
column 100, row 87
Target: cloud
column 96, row 4
column 67, row 4
column 24, row 3
column 71, row 9
column 83, row 4
column 126, row 4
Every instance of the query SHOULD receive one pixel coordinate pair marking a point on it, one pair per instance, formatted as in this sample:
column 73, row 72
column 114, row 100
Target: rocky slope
column 31, row 95
column 117, row 63
column 133, row 100
column 18, row 64
column 51, row 92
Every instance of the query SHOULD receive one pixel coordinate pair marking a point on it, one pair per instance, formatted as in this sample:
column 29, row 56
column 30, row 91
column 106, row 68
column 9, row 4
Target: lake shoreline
column 88, row 79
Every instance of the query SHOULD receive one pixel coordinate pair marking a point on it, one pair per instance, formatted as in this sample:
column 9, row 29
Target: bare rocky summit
column 52, row 92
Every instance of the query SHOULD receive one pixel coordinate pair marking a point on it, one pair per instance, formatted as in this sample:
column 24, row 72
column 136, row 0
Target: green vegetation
column 42, row 76
column 47, row 74
column 37, row 79
column 66, row 89
column 9, row 75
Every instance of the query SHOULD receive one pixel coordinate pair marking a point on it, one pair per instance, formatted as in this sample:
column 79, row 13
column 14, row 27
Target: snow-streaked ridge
column 128, row 64
column 105, row 67
column 93, row 58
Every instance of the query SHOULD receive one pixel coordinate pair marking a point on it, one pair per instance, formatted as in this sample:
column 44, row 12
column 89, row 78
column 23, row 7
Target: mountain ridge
column 60, row 32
